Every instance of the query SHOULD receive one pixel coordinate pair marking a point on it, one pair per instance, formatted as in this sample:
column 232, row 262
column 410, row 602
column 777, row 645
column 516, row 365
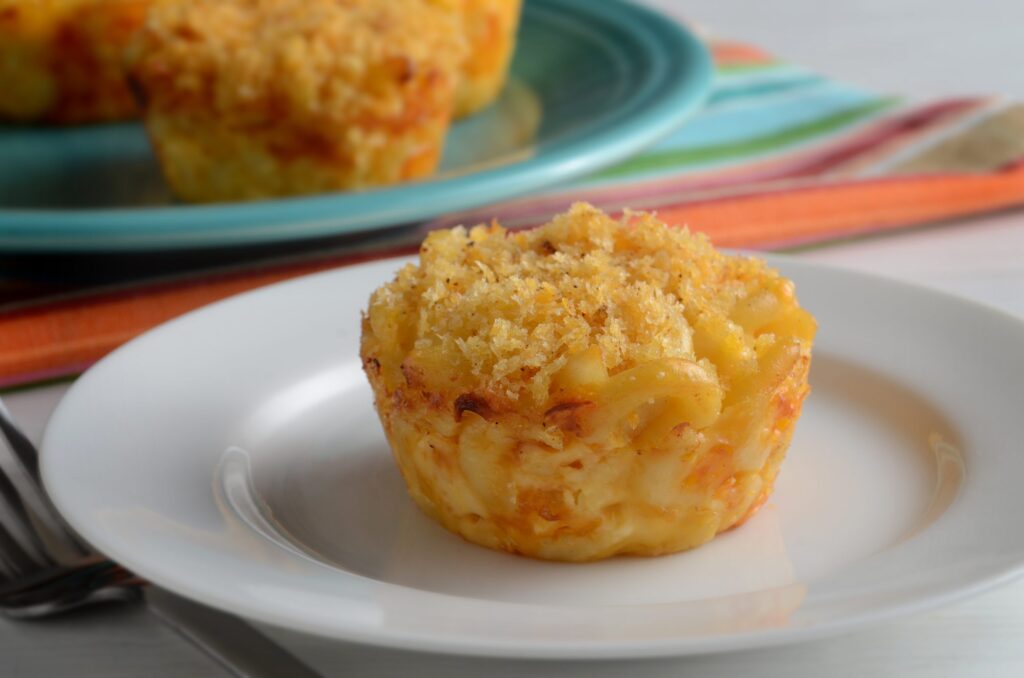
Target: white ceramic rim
column 887, row 601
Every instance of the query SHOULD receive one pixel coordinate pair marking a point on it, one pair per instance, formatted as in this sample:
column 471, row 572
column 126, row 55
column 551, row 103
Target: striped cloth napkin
column 780, row 157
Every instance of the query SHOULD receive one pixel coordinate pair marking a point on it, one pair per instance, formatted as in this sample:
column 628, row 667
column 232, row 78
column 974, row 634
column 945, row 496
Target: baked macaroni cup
column 490, row 28
column 248, row 99
column 589, row 388
column 61, row 60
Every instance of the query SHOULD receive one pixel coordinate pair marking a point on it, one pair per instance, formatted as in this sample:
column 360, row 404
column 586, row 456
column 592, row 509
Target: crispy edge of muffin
column 491, row 27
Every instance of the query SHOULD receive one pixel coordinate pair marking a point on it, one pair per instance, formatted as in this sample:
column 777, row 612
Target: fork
column 33, row 583
column 46, row 569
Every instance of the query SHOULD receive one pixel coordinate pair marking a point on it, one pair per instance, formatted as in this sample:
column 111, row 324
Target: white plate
column 234, row 456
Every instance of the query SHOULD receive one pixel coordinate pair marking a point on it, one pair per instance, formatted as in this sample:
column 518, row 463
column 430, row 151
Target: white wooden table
column 957, row 47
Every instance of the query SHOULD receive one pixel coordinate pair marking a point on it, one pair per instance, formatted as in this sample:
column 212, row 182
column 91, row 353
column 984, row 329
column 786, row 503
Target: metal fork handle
column 238, row 647
column 48, row 605
column 96, row 569
column 60, row 589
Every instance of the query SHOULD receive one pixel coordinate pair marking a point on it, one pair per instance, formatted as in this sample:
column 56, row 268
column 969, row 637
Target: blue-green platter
column 593, row 81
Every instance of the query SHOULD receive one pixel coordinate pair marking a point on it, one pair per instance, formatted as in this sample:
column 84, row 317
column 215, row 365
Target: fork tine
column 15, row 561
column 19, row 462
column 18, row 525
column 20, row 445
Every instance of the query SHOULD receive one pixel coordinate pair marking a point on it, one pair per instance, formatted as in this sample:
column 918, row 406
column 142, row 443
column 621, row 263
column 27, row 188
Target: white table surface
column 863, row 41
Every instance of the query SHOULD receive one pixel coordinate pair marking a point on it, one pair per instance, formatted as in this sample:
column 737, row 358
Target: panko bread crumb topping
column 591, row 387
column 253, row 98
column 490, row 28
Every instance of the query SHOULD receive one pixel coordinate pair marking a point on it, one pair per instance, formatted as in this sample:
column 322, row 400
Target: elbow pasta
column 624, row 444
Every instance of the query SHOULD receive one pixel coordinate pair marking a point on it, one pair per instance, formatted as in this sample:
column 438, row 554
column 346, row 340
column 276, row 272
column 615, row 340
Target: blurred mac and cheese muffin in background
column 490, row 28
column 247, row 99
column 589, row 388
column 61, row 60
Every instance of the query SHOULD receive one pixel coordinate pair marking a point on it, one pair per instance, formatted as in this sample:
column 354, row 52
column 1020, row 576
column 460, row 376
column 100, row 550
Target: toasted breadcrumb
column 503, row 310
column 255, row 98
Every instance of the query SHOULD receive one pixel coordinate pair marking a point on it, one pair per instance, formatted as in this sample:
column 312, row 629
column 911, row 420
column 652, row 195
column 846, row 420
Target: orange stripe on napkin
column 738, row 54
column 819, row 212
column 63, row 338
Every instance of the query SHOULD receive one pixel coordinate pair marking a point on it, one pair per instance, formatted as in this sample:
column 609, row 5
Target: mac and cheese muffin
column 490, row 27
column 61, row 60
column 247, row 99
column 589, row 388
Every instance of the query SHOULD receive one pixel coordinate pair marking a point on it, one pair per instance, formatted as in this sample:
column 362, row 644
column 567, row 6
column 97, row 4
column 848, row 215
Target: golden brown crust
column 570, row 434
column 490, row 26
column 61, row 60
column 255, row 98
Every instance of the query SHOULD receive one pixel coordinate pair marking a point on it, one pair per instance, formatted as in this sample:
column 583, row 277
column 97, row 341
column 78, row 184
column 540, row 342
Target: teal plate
column 592, row 83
